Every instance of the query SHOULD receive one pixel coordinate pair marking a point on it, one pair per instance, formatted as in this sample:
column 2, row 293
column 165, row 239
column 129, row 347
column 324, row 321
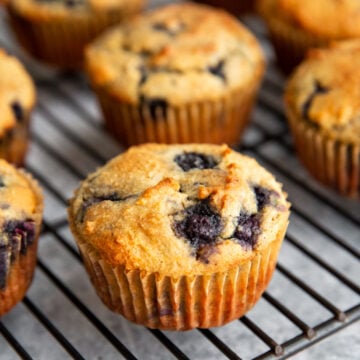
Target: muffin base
column 60, row 42
column 331, row 162
column 168, row 303
column 19, row 279
column 22, row 266
column 216, row 122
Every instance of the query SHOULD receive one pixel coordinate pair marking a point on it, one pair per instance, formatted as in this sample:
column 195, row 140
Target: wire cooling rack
column 315, row 292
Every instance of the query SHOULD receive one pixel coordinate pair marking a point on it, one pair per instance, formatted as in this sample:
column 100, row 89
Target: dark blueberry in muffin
column 144, row 74
column 21, row 233
column 201, row 225
column 157, row 106
column 69, row 3
column 4, row 265
column 97, row 199
column 218, row 70
column 205, row 252
column 8, row 135
column 2, row 184
column 18, row 111
column 248, row 230
column 193, row 160
column 263, row 196
column 160, row 27
column 318, row 90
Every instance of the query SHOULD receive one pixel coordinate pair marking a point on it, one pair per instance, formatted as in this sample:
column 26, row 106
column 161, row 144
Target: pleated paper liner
column 221, row 121
column 290, row 43
column 184, row 303
column 22, row 266
column 331, row 162
column 14, row 143
column 18, row 280
column 60, row 42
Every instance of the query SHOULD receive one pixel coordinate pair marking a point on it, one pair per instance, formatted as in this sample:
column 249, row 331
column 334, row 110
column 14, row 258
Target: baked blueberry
column 218, row 70
column 144, row 74
column 18, row 111
column 71, row 3
column 263, row 196
column 318, row 90
column 248, row 230
column 201, row 225
column 193, row 160
column 157, row 106
column 4, row 265
column 20, row 233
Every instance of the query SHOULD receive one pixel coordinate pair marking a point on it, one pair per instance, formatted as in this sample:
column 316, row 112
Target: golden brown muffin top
column 20, row 198
column 332, row 19
column 57, row 9
column 180, row 53
column 17, row 92
column 179, row 209
column 324, row 90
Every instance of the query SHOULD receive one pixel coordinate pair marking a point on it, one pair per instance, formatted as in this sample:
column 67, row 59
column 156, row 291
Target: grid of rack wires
column 315, row 291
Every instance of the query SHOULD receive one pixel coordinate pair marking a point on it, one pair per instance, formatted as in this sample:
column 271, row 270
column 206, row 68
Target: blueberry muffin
column 323, row 107
column 180, row 236
column 295, row 26
column 182, row 73
column 238, row 7
column 17, row 98
column 56, row 31
column 21, row 207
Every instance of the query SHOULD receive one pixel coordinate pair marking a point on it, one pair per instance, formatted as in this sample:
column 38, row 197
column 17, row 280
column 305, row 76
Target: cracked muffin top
column 179, row 209
column 342, row 17
column 179, row 53
column 50, row 9
column 324, row 90
column 17, row 92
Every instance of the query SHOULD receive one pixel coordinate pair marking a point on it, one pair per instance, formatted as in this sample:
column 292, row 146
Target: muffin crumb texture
column 17, row 92
column 179, row 210
column 178, row 54
column 324, row 91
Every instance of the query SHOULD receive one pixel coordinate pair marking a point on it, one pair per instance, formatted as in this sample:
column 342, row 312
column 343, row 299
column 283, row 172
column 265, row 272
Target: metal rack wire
column 315, row 292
